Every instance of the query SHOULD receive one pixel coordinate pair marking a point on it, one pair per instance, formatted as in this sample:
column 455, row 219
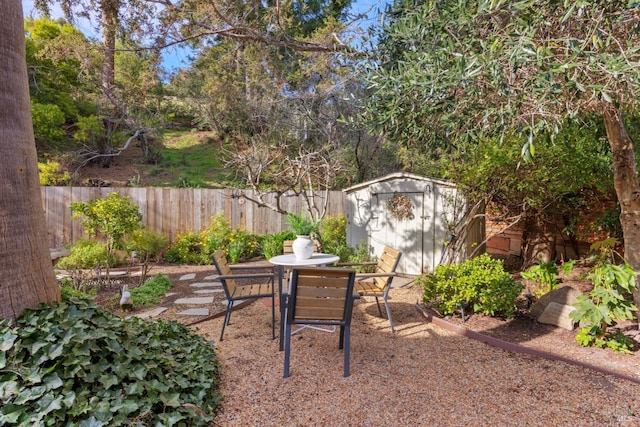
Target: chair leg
column 283, row 319
column 273, row 317
column 227, row 317
column 341, row 344
column 386, row 305
column 347, row 345
column 287, row 349
column 379, row 310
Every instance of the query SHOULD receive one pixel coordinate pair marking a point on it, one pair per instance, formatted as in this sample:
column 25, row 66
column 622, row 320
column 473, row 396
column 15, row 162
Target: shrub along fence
column 172, row 211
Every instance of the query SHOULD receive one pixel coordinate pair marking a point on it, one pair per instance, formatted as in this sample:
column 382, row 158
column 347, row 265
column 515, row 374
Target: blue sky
column 178, row 57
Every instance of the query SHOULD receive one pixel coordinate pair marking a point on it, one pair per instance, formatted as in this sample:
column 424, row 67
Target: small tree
column 113, row 217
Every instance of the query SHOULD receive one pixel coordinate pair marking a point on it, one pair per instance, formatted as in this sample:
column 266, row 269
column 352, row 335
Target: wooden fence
column 171, row 211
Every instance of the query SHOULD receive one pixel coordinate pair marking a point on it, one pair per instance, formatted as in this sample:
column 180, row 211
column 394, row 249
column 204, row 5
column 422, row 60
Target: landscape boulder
column 553, row 308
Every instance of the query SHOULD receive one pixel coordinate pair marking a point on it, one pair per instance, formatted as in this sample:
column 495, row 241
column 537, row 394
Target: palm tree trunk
column 26, row 274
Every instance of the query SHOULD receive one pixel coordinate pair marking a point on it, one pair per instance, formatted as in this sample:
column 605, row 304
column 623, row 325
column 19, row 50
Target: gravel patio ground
column 423, row 375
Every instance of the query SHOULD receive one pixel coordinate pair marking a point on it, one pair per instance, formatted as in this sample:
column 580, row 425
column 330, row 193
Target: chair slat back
column 321, row 295
column 387, row 264
column 222, row 265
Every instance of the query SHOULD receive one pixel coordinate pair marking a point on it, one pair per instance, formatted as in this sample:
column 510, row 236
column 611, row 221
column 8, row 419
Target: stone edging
column 515, row 348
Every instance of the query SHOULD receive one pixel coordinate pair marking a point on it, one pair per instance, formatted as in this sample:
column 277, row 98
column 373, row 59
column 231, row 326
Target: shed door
column 401, row 226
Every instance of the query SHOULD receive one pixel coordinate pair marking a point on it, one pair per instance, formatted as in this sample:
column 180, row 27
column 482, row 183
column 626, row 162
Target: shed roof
column 397, row 175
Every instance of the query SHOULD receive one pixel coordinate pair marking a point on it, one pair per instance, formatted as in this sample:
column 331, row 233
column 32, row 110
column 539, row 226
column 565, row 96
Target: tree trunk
column 109, row 11
column 538, row 240
column 625, row 181
column 26, row 275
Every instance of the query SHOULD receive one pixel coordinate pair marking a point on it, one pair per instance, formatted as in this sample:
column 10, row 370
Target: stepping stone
column 206, row 284
column 212, row 277
column 207, row 291
column 194, row 312
column 150, row 314
column 189, row 276
column 201, row 300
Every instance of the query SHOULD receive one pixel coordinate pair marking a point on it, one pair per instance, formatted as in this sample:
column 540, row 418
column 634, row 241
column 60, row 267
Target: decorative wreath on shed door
column 400, row 207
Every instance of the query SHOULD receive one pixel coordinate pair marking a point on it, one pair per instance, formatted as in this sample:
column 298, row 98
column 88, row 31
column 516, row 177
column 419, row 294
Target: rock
column 558, row 315
column 565, row 295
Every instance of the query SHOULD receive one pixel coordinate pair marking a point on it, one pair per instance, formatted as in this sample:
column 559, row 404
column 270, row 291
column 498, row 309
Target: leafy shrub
column 187, row 249
column 241, row 244
column 50, row 174
column 545, row 275
column 216, row 235
column 333, row 233
column 78, row 364
column 86, row 255
column 47, row 124
column 149, row 292
column 481, row 283
column 271, row 245
column 148, row 246
column 606, row 302
column 90, row 130
column 114, row 217
column 359, row 254
column 69, row 289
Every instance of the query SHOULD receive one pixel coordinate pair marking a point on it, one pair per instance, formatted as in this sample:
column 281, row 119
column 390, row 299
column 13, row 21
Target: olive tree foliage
column 451, row 70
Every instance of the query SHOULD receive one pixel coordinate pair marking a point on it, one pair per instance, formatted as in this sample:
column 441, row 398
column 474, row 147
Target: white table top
column 290, row 260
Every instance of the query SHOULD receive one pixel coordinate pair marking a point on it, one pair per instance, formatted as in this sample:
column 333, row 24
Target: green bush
column 89, row 130
column 216, row 235
column 545, row 275
column 113, row 217
column 151, row 291
column 85, row 257
column 148, row 244
column 85, row 254
column 333, row 233
column 481, row 283
column 47, row 124
column 187, row 249
column 50, row 174
column 241, row 244
column 271, row 244
column 79, row 364
column 191, row 248
column 69, row 289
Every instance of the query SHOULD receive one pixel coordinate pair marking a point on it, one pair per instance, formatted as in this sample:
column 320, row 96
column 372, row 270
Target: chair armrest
column 251, row 267
column 246, row 276
column 344, row 264
column 368, row 275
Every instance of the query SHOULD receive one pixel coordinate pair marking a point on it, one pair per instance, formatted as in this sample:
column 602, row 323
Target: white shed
column 414, row 214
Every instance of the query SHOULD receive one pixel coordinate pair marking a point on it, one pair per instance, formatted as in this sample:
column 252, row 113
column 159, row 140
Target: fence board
column 176, row 210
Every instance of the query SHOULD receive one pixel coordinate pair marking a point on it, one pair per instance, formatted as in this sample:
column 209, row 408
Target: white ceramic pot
column 302, row 247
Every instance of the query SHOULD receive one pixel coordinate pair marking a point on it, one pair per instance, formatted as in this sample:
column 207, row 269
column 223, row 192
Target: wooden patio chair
column 378, row 283
column 240, row 287
column 320, row 296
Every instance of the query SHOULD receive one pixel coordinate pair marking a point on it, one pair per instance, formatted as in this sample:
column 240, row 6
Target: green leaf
column 170, row 399
column 52, row 381
column 7, row 340
column 10, row 414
